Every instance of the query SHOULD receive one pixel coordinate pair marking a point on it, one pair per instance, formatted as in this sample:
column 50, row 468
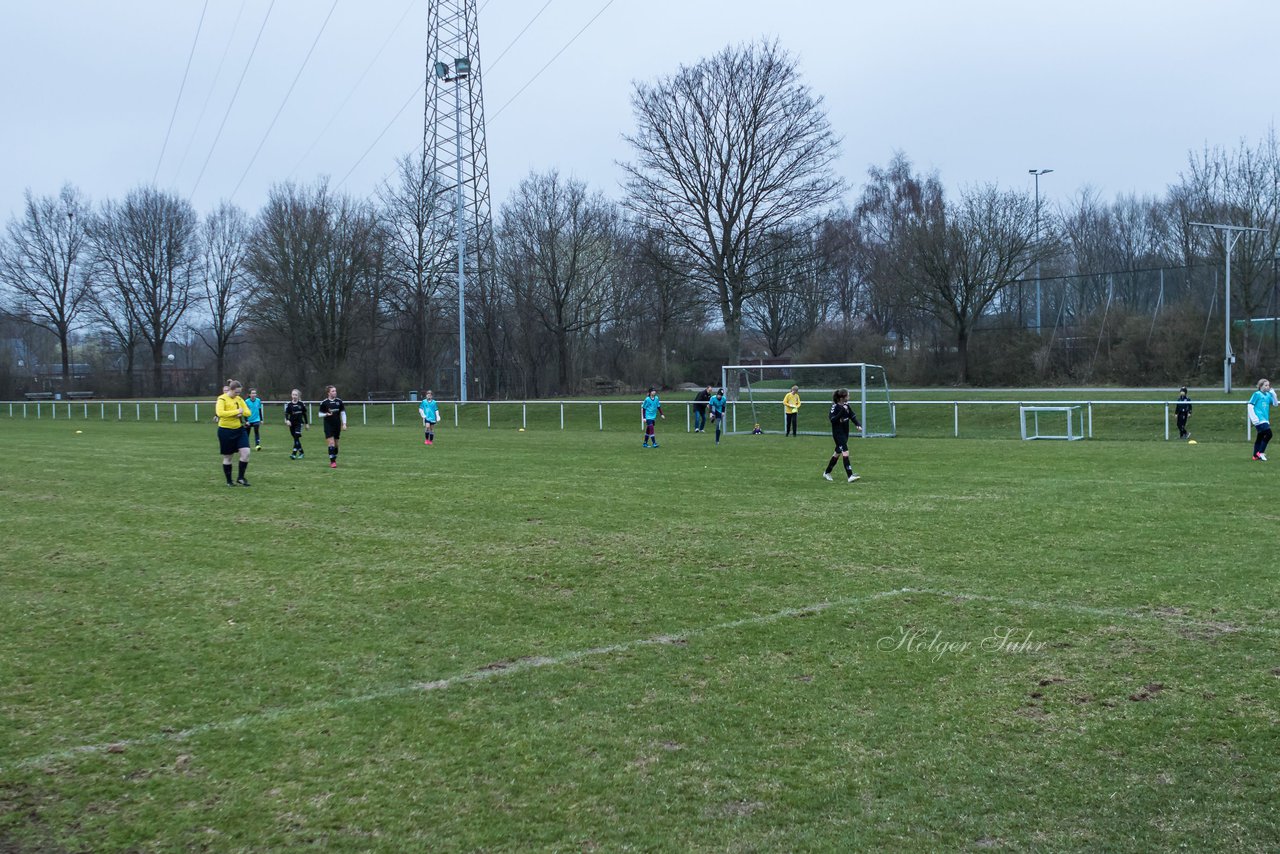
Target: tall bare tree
column 966, row 255
column 417, row 264
column 655, row 305
column 840, row 267
column 788, row 304
column 147, row 250
column 559, row 251
column 317, row 259
column 894, row 201
column 44, row 263
column 111, row 311
column 1240, row 187
column 729, row 151
column 224, row 245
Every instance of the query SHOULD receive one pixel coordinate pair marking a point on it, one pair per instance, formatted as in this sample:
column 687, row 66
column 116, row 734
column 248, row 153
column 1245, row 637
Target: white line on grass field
column 510, row 668
column 505, row 668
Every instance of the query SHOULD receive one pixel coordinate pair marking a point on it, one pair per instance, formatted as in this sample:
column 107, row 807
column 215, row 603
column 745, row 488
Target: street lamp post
column 1038, row 173
column 461, row 71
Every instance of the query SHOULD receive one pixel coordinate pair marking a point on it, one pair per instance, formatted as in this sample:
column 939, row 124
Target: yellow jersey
column 231, row 411
column 791, row 403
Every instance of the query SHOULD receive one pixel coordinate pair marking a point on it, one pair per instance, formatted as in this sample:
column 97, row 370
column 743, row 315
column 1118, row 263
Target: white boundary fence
column 197, row 411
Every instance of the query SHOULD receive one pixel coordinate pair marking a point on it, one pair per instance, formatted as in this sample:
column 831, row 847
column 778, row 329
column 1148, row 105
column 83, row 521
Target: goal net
column 755, row 395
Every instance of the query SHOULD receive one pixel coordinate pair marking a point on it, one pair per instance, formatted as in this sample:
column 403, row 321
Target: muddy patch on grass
column 27, row 830
column 1148, row 692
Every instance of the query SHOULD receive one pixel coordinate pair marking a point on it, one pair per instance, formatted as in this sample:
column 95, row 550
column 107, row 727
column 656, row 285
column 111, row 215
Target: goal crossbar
column 868, row 395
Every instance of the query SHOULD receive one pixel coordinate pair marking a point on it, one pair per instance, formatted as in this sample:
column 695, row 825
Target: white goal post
column 755, row 393
column 1054, row 417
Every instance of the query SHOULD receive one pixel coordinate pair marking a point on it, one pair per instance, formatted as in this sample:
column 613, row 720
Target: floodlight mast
column 454, row 142
column 1037, row 173
column 1232, row 234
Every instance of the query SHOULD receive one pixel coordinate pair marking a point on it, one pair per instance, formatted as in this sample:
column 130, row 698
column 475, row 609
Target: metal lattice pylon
column 454, row 143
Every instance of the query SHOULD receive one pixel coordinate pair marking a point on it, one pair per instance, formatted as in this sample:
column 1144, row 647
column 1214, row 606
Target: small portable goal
column 1051, row 418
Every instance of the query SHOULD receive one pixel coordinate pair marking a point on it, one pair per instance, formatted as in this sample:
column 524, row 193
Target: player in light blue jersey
column 717, row 405
column 651, row 411
column 1260, row 417
column 254, row 423
column 430, row 415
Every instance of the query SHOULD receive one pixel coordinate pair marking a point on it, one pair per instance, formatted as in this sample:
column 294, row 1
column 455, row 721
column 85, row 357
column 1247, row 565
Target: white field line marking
column 488, row 672
column 1222, row 626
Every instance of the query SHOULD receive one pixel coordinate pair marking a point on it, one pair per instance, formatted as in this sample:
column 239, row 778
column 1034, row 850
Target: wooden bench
column 38, row 395
column 386, row 395
column 78, row 395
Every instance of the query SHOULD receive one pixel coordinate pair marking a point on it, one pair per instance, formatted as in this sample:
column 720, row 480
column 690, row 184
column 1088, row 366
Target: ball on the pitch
column 1191, row 441
column 519, row 429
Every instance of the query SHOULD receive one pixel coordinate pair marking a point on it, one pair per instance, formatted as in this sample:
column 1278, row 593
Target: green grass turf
column 558, row 640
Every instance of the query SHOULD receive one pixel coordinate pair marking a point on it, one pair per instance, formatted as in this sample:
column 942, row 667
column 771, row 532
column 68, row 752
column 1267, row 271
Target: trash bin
column 57, row 395
column 413, row 396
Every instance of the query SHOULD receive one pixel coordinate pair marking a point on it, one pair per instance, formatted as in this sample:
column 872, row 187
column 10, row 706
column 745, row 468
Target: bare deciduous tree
column 44, row 262
column 966, row 255
column 417, row 261
column 559, row 252
column 787, row 304
column 656, row 304
column 317, row 257
column 110, row 308
column 146, row 250
column 894, row 201
column 1238, row 188
column 730, row 151
column 224, row 244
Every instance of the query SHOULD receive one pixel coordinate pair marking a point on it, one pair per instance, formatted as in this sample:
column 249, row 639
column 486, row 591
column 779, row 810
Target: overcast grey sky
column 1108, row 94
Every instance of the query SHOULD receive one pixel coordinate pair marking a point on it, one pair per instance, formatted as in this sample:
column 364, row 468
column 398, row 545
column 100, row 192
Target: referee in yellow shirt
column 791, row 403
column 233, row 437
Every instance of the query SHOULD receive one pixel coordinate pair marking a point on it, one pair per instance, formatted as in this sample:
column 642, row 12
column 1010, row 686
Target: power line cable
column 413, row 97
column 234, row 95
column 181, row 88
column 520, row 91
column 507, row 49
column 353, row 89
column 204, row 108
column 280, row 109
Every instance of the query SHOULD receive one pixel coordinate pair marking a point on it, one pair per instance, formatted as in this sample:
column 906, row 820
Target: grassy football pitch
column 561, row 641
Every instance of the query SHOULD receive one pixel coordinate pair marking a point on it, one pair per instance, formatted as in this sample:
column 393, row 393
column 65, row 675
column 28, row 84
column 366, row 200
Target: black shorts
column 332, row 428
column 842, row 444
column 295, row 430
column 232, row 439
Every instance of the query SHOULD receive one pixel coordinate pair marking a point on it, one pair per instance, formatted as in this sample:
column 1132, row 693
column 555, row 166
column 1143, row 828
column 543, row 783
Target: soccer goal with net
column 756, row 393
column 1051, row 422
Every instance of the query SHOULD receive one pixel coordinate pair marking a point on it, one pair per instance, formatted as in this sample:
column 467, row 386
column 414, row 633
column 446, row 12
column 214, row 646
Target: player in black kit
column 295, row 415
column 841, row 417
column 333, row 414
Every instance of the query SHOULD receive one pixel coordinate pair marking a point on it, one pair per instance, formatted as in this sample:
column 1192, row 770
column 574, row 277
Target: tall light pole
column 1038, row 173
column 461, row 71
column 1231, row 233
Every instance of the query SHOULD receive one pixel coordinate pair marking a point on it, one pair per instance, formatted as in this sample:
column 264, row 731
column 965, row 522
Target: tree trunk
column 157, row 368
column 962, row 352
column 64, row 342
column 562, row 355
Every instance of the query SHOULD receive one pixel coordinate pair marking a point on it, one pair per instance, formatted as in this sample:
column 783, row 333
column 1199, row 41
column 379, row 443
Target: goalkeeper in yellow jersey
column 791, row 404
